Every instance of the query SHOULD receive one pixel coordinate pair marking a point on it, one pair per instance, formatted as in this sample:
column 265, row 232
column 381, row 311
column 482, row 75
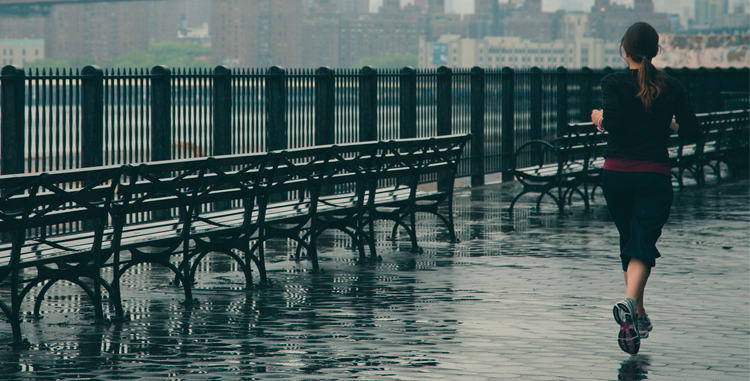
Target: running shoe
column 626, row 316
column 644, row 326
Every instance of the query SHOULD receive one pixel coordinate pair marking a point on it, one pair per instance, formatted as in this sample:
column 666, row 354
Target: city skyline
column 668, row 6
column 336, row 33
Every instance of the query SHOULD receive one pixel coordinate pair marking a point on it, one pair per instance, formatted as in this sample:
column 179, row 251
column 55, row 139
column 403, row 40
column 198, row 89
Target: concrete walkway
column 528, row 297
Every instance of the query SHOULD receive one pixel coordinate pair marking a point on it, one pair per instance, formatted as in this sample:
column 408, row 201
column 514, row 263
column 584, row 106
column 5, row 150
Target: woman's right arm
column 614, row 120
column 688, row 126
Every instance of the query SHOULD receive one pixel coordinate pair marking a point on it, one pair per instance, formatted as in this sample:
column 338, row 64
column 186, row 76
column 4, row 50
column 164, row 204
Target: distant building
column 529, row 22
column 709, row 12
column 610, row 21
column 714, row 14
column 102, row 31
column 454, row 51
column 18, row 52
column 353, row 6
column 385, row 33
column 704, row 50
column 258, row 33
column 320, row 45
column 16, row 27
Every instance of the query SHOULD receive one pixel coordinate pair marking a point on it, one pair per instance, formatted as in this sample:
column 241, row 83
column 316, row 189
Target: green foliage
column 389, row 61
column 171, row 54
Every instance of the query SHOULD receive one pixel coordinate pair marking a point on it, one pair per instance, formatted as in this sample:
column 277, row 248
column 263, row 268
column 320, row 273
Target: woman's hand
column 674, row 126
column 595, row 115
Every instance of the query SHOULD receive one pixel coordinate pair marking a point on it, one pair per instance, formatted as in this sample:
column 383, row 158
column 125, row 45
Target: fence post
column 92, row 116
column 161, row 118
column 724, row 80
column 444, row 111
column 276, row 128
column 508, row 121
column 562, row 101
column 444, row 95
column 686, row 78
column 743, row 82
column 324, row 106
column 368, row 104
column 536, row 103
column 704, row 78
column 477, row 126
column 222, row 139
column 716, row 82
column 13, row 81
column 408, row 98
column 586, row 93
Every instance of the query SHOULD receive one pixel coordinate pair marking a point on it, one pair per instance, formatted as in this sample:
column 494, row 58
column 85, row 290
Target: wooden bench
column 68, row 225
column 570, row 164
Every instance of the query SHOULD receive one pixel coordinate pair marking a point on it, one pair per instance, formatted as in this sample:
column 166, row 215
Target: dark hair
column 641, row 44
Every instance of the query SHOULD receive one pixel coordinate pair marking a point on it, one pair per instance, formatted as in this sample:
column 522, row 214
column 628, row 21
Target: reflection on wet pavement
column 526, row 297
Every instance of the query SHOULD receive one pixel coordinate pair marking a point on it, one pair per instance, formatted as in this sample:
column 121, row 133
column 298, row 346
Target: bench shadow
column 634, row 368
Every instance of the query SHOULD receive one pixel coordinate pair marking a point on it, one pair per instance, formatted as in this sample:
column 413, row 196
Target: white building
column 18, row 52
column 454, row 51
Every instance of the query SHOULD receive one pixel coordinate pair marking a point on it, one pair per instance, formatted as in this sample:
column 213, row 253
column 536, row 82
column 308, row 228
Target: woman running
column 638, row 107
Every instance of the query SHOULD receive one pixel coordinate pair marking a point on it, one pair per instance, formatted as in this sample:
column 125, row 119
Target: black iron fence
column 71, row 119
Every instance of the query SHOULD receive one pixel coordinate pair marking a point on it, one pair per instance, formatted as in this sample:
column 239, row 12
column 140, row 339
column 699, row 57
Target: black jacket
column 637, row 134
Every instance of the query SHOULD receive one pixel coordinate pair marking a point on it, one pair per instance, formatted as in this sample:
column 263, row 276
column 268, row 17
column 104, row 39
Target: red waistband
column 621, row 164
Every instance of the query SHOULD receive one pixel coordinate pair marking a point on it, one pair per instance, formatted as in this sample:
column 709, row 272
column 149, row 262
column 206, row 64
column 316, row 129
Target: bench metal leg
column 558, row 202
column 568, row 195
column 96, row 300
column 15, row 311
column 409, row 230
column 244, row 265
column 116, row 297
column 186, row 285
column 116, row 301
column 15, row 324
column 513, row 203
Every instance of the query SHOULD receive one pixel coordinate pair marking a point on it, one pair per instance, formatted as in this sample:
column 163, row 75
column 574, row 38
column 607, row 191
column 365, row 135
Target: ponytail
column 641, row 44
column 650, row 82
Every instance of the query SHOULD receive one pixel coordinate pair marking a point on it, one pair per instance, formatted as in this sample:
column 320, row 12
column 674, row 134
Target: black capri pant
column 639, row 203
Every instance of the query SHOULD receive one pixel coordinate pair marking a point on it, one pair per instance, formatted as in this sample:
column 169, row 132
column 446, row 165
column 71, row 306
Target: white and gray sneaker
column 644, row 326
column 625, row 315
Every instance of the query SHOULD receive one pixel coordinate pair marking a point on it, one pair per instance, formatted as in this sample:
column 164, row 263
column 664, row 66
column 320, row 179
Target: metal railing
column 72, row 119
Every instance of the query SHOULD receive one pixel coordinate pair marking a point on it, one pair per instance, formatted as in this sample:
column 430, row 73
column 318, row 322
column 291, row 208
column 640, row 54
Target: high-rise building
column 103, row 31
column 534, row 5
column 353, row 6
column 643, row 5
column 708, row 12
column 258, row 33
column 436, row 6
column 28, row 26
column 573, row 25
column 389, row 32
column 610, row 21
column 320, row 40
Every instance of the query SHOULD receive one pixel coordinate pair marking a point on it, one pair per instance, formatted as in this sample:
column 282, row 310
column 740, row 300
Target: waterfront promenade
column 527, row 298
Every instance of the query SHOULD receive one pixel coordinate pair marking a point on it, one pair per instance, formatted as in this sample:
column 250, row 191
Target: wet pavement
column 525, row 297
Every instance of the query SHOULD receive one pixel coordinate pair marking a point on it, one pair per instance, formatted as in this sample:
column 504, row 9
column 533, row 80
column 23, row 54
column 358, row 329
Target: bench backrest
column 35, row 206
column 40, row 200
column 183, row 190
